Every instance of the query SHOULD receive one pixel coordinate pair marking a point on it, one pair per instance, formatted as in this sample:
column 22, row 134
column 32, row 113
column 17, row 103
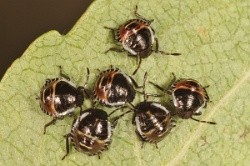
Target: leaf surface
column 213, row 37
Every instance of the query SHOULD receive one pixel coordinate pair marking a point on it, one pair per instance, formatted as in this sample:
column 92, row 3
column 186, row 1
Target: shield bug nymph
column 153, row 121
column 137, row 37
column 60, row 97
column 114, row 88
column 91, row 133
column 189, row 97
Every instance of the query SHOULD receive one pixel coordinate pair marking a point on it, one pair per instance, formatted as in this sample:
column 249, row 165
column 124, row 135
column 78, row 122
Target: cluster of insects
column 92, row 131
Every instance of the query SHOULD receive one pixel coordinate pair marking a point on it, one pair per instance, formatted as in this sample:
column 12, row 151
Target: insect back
column 137, row 37
column 91, row 133
column 114, row 88
column 189, row 97
column 153, row 121
column 60, row 97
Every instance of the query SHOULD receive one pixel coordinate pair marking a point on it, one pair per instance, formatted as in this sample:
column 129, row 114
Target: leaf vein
column 197, row 133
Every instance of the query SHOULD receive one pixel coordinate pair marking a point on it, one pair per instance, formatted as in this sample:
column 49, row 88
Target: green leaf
column 213, row 37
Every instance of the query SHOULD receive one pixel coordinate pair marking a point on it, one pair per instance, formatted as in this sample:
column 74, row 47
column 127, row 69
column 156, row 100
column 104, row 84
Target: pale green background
column 213, row 37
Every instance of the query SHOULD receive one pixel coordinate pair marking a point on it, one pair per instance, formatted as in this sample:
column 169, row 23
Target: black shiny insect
column 137, row 37
column 189, row 97
column 114, row 88
column 91, row 133
column 60, row 97
column 153, row 121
